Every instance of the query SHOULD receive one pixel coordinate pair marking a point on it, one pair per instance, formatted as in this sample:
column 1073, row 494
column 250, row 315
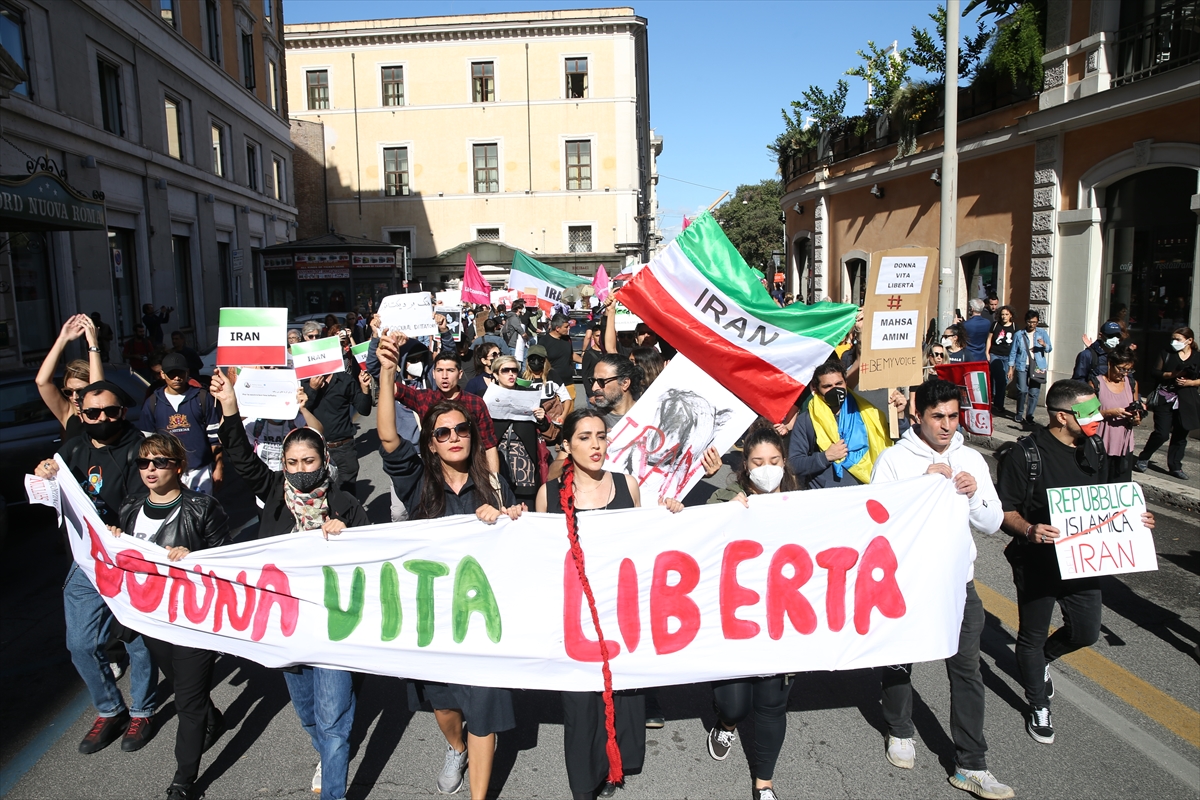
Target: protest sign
column 411, row 314
column 1102, row 530
column 318, row 357
column 266, row 393
column 359, row 351
column 661, row 441
column 252, row 337
column 711, row 593
column 454, row 316
column 896, row 310
column 43, row 492
column 975, row 403
column 511, row 403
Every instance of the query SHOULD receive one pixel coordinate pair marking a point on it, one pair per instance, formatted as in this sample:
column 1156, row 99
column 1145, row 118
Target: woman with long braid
column 601, row 745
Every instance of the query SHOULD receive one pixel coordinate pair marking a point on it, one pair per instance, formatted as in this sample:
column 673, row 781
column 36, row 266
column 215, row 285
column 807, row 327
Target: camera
column 1137, row 407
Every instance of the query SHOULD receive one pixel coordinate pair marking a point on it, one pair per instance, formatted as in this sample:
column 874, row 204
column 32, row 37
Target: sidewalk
column 1158, row 485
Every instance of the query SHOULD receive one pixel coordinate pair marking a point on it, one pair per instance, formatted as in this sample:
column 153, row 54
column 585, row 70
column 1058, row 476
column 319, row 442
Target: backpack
column 1033, row 464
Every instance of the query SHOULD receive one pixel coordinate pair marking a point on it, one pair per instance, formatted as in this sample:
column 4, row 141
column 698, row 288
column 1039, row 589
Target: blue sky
column 719, row 72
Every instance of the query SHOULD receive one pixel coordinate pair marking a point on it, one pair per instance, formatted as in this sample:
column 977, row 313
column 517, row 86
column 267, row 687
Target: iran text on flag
column 252, row 337
column 702, row 297
column 318, row 357
column 359, row 351
column 529, row 277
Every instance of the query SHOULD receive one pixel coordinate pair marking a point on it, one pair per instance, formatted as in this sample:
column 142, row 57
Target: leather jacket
column 198, row 524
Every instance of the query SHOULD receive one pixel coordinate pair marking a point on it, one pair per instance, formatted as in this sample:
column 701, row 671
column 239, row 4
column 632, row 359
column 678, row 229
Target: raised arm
column 385, row 421
column 610, row 324
column 59, row 405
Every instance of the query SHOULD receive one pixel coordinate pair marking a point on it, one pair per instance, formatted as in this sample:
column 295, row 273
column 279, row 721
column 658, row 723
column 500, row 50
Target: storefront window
column 281, row 290
column 325, row 296
column 124, row 272
column 30, row 255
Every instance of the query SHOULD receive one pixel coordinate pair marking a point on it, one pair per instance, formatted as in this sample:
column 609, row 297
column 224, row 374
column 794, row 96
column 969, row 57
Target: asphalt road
column 1127, row 711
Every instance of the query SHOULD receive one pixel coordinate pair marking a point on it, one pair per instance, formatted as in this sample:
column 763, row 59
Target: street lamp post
column 947, row 229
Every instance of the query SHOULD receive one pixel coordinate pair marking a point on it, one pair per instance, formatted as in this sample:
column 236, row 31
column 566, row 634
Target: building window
column 212, row 20
column 579, row 166
column 252, row 180
column 393, row 86
column 318, row 89
column 166, row 10
column 174, row 127
column 110, row 96
column 483, row 81
column 395, row 171
column 577, row 77
column 248, row 60
column 579, row 238
column 267, row 15
column 273, row 85
column 218, row 150
column 280, row 178
column 487, row 168
column 31, row 259
column 487, row 234
column 182, row 256
column 12, row 37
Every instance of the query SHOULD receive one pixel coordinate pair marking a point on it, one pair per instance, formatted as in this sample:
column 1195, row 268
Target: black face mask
column 835, row 397
column 103, row 431
column 305, row 482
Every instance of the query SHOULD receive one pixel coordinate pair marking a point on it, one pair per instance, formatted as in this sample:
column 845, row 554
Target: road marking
column 1156, row 704
column 32, row 753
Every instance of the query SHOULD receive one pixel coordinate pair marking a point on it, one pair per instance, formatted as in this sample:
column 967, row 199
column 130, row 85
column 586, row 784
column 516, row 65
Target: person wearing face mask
column 764, row 470
column 935, row 447
column 1069, row 455
column 102, row 458
column 838, row 434
column 1092, row 361
column 304, row 497
column 954, row 339
column 1177, row 410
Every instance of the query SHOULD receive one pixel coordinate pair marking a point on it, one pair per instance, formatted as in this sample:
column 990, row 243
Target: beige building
column 531, row 130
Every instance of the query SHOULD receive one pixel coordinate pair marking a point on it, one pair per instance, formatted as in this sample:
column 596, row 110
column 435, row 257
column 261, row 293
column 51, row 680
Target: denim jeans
column 998, row 375
column 1027, row 395
column 88, row 625
column 324, row 702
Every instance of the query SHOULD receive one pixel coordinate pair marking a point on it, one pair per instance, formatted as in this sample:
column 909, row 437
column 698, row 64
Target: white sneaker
column 901, row 752
column 980, row 783
column 454, row 769
column 316, row 782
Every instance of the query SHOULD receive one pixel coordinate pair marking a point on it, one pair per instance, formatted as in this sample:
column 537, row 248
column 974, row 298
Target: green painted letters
column 389, row 599
column 425, row 571
column 473, row 593
column 342, row 623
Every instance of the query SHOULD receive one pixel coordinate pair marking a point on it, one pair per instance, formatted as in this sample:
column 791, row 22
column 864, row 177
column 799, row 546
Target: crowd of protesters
column 445, row 456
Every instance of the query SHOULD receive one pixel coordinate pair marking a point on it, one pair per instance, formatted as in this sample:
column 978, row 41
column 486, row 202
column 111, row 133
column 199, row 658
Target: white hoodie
column 911, row 457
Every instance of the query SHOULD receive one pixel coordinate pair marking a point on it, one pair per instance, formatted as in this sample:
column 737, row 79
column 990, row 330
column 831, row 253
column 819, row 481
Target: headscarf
column 310, row 509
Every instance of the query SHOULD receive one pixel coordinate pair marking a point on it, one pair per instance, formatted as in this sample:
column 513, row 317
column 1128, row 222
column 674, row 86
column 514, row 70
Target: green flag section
column 540, row 283
column 359, row 351
column 252, row 337
column 701, row 296
column 319, row 357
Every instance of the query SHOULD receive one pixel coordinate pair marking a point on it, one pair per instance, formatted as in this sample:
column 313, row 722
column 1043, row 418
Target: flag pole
column 947, row 229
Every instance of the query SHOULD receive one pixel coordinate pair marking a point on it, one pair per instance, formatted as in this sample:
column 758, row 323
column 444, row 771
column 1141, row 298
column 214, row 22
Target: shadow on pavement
column 263, row 695
column 383, row 699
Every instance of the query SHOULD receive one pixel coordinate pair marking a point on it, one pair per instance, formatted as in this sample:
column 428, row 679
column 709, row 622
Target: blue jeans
column 88, row 624
column 1027, row 396
column 324, row 702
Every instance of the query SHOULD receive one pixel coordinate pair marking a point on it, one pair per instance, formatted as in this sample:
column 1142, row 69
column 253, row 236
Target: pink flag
column 686, row 222
column 475, row 289
column 600, row 284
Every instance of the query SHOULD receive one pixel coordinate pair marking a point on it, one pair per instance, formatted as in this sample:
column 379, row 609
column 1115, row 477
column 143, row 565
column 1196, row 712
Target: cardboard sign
column 1102, row 530
column 901, row 291
column 411, row 314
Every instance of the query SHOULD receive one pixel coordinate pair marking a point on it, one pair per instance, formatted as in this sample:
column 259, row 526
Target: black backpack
column 1033, row 464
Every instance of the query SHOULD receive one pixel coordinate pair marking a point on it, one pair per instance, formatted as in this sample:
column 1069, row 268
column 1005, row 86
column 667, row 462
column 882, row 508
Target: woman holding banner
column 764, row 470
column 444, row 475
column 303, row 497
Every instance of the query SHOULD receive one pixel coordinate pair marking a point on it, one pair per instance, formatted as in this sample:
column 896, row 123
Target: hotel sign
column 43, row 202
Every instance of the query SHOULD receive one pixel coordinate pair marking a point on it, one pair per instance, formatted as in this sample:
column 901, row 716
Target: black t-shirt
column 590, row 359
column 1061, row 466
column 1002, row 338
column 558, row 353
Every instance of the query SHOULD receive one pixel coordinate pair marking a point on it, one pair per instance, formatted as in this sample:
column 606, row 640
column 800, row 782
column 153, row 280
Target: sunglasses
column 159, row 462
column 442, row 435
column 603, row 382
column 70, row 394
column 938, row 354
column 536, row 360
column 112, row 412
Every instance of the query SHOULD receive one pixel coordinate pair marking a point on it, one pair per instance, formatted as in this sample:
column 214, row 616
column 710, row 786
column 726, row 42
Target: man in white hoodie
column 935, row 447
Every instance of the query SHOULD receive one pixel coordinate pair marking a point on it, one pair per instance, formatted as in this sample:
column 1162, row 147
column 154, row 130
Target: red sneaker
column 105, row 731
column 139, row 732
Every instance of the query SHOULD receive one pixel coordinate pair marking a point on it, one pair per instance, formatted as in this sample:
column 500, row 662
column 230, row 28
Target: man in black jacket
column 102, row 460
column 333, row 399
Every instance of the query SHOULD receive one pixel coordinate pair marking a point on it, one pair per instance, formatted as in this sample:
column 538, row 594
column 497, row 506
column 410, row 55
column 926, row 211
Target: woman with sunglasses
column 304, row 497
column 182, row 522
column 519, row 438
column 64, row 403
column 444, row 475
column 484, row 377
column 586, row 486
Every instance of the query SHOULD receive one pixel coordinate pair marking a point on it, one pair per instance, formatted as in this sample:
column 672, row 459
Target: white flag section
column 820, row 580
column 1102, row 530
column 661, row 441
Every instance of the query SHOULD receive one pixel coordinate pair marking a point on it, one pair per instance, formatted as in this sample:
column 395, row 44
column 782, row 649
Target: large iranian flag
column 703, row 298
column 252, row 337
column 533, row 279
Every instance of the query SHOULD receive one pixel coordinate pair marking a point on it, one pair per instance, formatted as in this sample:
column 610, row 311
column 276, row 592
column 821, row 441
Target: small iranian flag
column 359, row 351
column 540, row 282
column 702, row 297
column 318, row 357
column 252, row 337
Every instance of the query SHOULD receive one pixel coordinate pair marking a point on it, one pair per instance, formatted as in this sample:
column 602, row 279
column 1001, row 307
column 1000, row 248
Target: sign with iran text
column 252, row 337
column 1102, row 530
column 318, row 357
column 359, row 351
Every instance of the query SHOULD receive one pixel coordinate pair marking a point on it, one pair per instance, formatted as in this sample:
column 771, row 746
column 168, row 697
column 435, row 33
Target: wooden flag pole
column 893, row 417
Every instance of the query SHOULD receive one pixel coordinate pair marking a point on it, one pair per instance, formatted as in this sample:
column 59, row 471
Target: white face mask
column 947, row 341
column 767, row 477
column 1177, row 345
column 1113, row 342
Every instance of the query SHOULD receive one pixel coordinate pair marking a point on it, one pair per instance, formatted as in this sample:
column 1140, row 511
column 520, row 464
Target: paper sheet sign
column 412, row 314
column 511, row 403
column 1102, row 530
column 267, row 393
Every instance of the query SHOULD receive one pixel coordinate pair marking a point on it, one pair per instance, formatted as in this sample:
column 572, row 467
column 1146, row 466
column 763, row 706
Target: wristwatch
column 93, row 349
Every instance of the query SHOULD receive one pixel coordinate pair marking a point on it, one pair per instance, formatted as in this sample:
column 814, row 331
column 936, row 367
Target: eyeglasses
column 490, row 356
column 508, row 370
column 463, row 429
column 112, row 412
column 310, row 337
column 536, row 360
column 603, row 382
column 938, row 354
column 159, row 462
column 70, row 394
column 177, row 373
column 1122, row 370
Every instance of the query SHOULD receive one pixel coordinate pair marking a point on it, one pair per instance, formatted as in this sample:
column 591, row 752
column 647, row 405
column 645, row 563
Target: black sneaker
column 719, row 742
column 138, row 734
column 1039, row 726
column 184, row 791
column 607, row 791
column 214, row 729
column 1141, row 465
column 1178, row 473
column 104, row 731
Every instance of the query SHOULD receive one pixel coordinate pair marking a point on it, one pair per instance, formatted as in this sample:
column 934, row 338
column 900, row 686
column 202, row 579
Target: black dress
column 584, row 736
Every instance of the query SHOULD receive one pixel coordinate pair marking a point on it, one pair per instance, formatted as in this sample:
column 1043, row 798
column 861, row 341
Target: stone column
column 1045, row 208
column 819, row 254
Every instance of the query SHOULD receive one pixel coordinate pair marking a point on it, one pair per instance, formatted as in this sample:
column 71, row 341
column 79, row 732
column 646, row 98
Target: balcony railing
column 1165, row 40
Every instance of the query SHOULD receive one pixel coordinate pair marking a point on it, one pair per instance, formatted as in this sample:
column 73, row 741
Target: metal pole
column 948, row 239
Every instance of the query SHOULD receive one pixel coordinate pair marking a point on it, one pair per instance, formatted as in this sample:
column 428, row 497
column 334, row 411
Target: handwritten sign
column 1102, row 530
column 411, row 314
column 897, row 307
column 267, row 393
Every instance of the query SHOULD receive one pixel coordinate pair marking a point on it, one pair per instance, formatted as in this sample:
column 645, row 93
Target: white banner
column 834, row 579
column 1102, row 530
column 661, row 441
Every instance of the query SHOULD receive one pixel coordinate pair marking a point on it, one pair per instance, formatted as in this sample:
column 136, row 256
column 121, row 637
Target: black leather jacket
column 200, row 522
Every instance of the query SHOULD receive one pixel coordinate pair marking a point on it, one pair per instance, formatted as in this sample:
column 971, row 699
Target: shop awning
column 43, row 202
